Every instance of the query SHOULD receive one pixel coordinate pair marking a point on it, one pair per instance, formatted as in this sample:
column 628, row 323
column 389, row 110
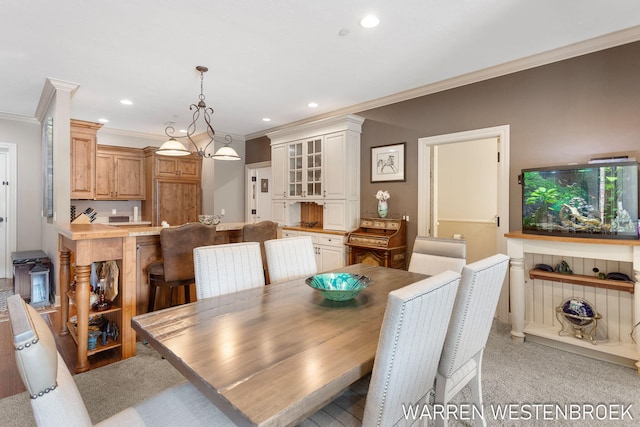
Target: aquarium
column 598, row 200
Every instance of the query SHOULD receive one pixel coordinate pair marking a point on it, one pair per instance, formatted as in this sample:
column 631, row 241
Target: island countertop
column 104, row 231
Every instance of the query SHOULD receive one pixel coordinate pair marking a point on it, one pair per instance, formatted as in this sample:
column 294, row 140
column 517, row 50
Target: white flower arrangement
column 382, row 195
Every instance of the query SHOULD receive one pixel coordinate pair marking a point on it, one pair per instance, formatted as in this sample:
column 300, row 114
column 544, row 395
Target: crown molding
column 18, row 118
column 161, row 138
column 51, row 86
column 584, row 47
column 331, row 124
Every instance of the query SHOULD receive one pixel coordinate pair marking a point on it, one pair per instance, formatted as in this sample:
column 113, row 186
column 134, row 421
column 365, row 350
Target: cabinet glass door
column 314, row 167
column 295, row 170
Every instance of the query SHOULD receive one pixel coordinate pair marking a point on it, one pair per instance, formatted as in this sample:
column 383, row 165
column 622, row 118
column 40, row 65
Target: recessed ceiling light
column 266, row 119
column 312, row 104
column 103, row 120
column 182, row 131
column 126, row 102
column 369, row 21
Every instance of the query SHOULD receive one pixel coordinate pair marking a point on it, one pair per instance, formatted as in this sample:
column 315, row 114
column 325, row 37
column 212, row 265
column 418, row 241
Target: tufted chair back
column 471, row 320
column 432, row 255
column 290, row 258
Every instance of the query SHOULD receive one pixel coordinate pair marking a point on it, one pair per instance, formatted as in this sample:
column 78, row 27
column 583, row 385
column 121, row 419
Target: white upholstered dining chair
column 406, row 360
column 56, row 401
column 290, row 258
column 232, row 267
column 469, row 328
column 433, row 255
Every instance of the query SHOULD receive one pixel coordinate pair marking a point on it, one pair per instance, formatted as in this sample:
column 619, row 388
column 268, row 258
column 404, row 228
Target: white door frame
column 424, row 188
column 12, row 199
column 248, row 170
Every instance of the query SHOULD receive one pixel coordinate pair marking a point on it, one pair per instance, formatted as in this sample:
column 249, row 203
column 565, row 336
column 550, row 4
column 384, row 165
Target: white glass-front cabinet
column 305, row 169
column 318, row 162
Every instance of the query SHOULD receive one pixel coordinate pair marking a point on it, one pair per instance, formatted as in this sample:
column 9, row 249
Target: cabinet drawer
column 289, row 233
column 331, row 240
column 314, row 236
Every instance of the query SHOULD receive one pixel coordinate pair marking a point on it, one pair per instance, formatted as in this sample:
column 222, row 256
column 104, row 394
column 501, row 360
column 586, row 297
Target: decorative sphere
column 578, row 307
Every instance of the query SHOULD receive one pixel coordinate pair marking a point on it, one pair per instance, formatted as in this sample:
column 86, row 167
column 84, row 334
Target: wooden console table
column 620, row 301
column 90, row 243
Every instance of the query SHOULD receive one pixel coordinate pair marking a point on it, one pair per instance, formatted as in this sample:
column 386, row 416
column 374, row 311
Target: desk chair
column 407, row 357
column 56, row 401
column 223, row 269
column 433, row 255
column 469, row 328
column 176, row 267
column 290, row 258
column 261, row 232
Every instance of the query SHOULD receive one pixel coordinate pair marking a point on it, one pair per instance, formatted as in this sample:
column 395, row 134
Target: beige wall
column 564, row 112
column 26, row 136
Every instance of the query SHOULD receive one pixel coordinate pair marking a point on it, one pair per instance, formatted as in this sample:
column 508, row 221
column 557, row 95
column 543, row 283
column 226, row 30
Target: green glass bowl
column 338, row 286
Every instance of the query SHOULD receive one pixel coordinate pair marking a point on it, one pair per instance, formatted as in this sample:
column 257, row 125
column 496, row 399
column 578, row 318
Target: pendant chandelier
column 173, row 147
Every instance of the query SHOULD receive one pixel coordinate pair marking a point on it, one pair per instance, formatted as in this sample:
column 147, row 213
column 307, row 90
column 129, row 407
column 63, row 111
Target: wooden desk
column 274, row 355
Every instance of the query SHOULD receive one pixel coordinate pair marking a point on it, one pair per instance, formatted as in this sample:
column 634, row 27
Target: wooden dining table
column 275, row 354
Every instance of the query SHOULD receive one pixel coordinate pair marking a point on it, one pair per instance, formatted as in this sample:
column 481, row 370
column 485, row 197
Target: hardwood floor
column 11, row 382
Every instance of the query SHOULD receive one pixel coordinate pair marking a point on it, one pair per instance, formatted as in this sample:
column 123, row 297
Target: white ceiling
column 269, row 58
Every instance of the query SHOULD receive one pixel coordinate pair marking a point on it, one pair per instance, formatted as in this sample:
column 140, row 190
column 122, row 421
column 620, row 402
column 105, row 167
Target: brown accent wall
column 258, row 150
column 569, row 111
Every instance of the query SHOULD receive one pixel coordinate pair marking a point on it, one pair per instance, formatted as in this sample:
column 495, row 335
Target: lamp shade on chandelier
column 173, row 147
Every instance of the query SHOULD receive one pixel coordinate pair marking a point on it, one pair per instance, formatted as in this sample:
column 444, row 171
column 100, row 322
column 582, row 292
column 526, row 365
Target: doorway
column 465, row 205
column 8, row 201
column 258, row 192
column 429, row 149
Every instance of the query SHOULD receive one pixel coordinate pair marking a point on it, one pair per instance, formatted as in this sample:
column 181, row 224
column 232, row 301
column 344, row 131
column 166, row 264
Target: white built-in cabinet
column 318, row 162
column 329, row 249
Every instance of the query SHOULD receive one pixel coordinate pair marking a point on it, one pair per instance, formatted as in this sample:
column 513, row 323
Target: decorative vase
column 383, row 208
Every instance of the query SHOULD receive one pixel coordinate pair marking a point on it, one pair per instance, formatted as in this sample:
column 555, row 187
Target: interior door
column 465, row 205
column 259, row 191
column 4, row 235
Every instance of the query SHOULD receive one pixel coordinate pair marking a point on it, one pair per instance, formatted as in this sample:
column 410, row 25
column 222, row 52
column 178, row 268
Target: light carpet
column 106, row 390
column 516, row 374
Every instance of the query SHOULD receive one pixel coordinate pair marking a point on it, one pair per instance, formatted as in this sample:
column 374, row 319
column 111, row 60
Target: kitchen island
column 92, row 243
column 133, row 249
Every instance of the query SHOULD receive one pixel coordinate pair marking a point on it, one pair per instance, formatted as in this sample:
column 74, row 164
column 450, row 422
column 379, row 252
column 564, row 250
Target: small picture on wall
column 387, row 163
column 264, row 185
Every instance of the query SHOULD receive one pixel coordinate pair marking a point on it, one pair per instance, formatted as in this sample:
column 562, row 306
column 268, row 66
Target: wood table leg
column 64, row 287
column 83, row 286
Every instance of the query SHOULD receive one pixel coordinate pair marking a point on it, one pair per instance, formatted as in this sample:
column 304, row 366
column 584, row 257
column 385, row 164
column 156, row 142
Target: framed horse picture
column 387, row 163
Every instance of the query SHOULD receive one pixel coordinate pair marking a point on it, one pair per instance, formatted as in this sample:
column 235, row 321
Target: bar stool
column 261, row 232
column 176, row 267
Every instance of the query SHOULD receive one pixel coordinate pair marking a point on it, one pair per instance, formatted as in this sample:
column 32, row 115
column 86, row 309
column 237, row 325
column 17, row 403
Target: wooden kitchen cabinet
column 183, row 167
column 173, row 188
column 119, row 173
column 83, row 158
